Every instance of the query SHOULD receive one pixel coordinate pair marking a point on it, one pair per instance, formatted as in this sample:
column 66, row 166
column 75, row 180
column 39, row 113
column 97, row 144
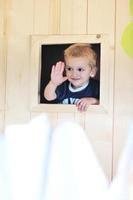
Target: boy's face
column 78, row 71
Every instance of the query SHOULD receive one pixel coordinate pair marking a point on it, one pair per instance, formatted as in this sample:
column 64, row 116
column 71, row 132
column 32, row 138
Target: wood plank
column 2, row 54
column 100, row 135
column 20, row 26
column 73, row 17
column 101, row 16
column 2, row 63
column 47, row 17
column 123, row 84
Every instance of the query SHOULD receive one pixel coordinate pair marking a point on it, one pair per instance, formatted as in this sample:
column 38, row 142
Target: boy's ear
column 93, row 72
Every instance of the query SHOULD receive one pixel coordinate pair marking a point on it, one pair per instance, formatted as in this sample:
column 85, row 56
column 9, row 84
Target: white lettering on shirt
column 70, row 101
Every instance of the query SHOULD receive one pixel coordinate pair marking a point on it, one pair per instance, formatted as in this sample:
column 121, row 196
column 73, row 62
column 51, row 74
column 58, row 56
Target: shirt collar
column 79, row 88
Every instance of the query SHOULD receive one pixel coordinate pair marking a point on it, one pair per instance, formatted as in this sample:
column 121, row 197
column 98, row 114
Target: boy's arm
column 49, row 92
column 57, row 78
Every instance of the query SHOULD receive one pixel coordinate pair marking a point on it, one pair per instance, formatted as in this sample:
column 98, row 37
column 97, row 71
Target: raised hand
column 57, row 77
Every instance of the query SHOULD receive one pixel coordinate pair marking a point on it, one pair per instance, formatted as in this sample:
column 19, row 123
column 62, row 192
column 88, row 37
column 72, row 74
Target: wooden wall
column 21, row 19
column 2, row 64
column 123, row 95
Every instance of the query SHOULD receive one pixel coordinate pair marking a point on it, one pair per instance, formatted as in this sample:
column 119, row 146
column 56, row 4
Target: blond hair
column 81, row 50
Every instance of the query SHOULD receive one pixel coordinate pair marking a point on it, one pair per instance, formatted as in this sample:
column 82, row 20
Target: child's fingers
column 62, row 66
column 82, row 108
column 59, row 67
column 53, row 69
column 78, row 102
column 57, row 73
column 82, row 105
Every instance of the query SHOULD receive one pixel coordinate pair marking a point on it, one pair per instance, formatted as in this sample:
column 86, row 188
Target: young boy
column 78, row 86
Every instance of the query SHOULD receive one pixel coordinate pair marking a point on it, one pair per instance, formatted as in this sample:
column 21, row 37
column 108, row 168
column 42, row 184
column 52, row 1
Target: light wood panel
column 47, row 17
column 123, row 115
column 73, row 17
column 2, row 62
column 101, row 16
column 2, row 71
column 20, row 26
column 2, row 54
column 99, row 130
column 41, row 17
column 60, row 17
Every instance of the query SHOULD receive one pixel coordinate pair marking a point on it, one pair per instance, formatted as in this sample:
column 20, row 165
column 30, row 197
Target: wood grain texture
column 2, row 63
column 73, row 17
column 123, row 95
column 20, row 26
column 101, row 16
column 2, row 54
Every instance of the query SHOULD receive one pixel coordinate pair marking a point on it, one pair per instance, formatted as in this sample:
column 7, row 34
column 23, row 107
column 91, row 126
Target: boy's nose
column 74, row 73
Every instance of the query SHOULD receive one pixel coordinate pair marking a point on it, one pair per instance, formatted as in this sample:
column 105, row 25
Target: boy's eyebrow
column 74, row 66
column 68, row 66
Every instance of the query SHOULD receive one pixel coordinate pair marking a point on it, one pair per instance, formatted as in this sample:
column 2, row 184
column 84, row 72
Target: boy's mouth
column 75, row 79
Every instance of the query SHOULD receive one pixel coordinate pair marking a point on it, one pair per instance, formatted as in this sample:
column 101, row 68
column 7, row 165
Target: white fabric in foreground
column 74, row 172
column 37, row 163
column 27, row 149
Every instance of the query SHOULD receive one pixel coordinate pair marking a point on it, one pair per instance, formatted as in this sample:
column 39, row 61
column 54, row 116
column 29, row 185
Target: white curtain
column 38, row 163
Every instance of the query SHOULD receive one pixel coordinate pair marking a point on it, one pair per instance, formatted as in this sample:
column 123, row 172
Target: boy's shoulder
column 94, row 81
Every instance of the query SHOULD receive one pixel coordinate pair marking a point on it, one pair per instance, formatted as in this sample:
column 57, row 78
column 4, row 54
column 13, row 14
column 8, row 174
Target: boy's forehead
column 77, row 61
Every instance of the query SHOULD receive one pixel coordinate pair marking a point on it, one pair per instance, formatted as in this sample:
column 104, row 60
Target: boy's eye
column 69, row 69
column 80, row 69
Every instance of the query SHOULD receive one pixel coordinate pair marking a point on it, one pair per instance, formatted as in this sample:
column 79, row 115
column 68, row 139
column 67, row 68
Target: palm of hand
column 57, row 74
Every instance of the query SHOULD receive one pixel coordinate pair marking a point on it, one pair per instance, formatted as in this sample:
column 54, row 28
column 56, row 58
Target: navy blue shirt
column 67, row 95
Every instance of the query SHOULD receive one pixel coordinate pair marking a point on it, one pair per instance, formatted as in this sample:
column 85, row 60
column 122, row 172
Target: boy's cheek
column 67, row 74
